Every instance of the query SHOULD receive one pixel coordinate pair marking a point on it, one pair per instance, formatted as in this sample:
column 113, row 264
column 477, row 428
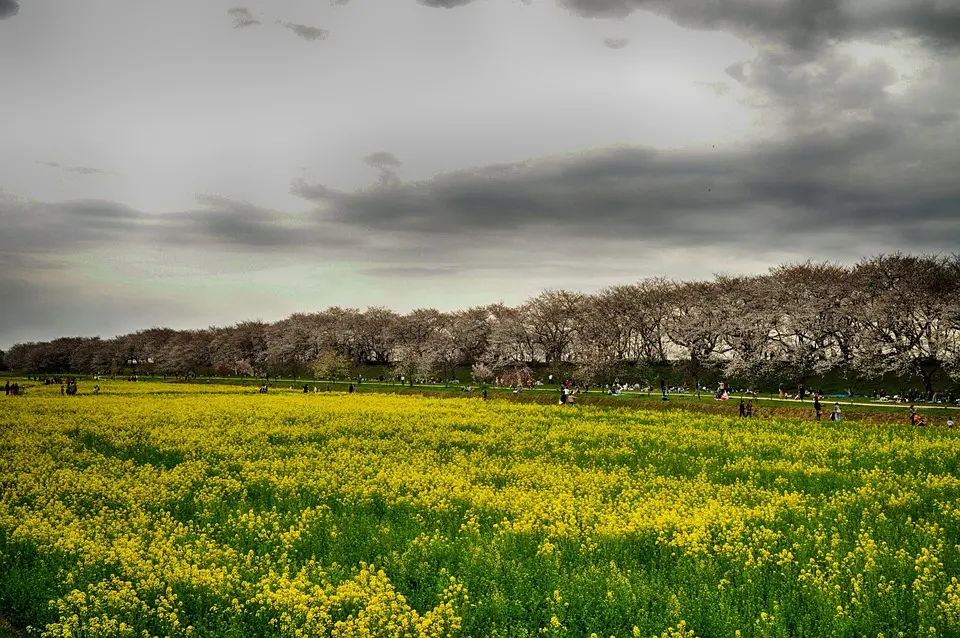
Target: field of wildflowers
column 175, row 510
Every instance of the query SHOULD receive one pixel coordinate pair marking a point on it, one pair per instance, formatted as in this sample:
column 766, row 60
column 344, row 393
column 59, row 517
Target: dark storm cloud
column 615, row 43
column 801, row 24
column 228, row 222
column 854, row 157
column 242, row 17
column 842, row 179
column 9, row 8
column 445, row 4
column 306, row 32
column 38, row 226
column 31, row 227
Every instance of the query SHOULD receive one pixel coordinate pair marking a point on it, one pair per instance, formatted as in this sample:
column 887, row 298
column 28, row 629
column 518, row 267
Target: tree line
column 890, row 314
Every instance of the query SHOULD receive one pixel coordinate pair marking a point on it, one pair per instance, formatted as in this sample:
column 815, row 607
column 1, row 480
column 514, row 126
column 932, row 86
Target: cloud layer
column 9, row 8
column 854, row 152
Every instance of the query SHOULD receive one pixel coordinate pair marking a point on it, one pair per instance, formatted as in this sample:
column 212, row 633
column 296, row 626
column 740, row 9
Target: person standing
column 743, row 408
column 950, row 421
column 913, row 414
column 750, row 408
column 817, row 408
column 836, row 412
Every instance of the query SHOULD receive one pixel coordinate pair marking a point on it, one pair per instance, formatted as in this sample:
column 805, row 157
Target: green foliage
column 331, row 365
column 157, row 507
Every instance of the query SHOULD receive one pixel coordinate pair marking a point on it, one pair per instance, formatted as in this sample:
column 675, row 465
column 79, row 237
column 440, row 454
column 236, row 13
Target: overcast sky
column 200, row 163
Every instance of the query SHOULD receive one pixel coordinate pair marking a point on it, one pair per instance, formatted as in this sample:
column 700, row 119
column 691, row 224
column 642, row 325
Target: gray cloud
column 615, row 43
column 800, row 24
column 9, row 8
column 383, row 160
column 445, row 4
column 306, row 32
column 242, row 17
column 39, row 227
column 848, row 162
column 78, row 170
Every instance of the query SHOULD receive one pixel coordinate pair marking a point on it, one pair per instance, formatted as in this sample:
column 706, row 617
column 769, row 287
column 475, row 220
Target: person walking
column 750, row 409
column 817, row 408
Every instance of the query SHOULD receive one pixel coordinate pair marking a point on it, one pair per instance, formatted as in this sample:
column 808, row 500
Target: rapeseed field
column 189, row 510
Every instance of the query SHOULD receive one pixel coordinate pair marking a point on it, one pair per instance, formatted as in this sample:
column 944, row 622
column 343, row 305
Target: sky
column 188, row 164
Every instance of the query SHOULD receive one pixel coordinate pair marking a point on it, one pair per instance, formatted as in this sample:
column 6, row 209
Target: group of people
column 801, row 393
column 69, row 388
column 57, row 380
column 916, row 419
column 910, row 396
column 835, row 414
column 567, row 395
column 12, row 389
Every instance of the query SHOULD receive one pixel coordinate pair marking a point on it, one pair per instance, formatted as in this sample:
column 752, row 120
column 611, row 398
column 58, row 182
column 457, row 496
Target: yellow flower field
column 203, row 510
